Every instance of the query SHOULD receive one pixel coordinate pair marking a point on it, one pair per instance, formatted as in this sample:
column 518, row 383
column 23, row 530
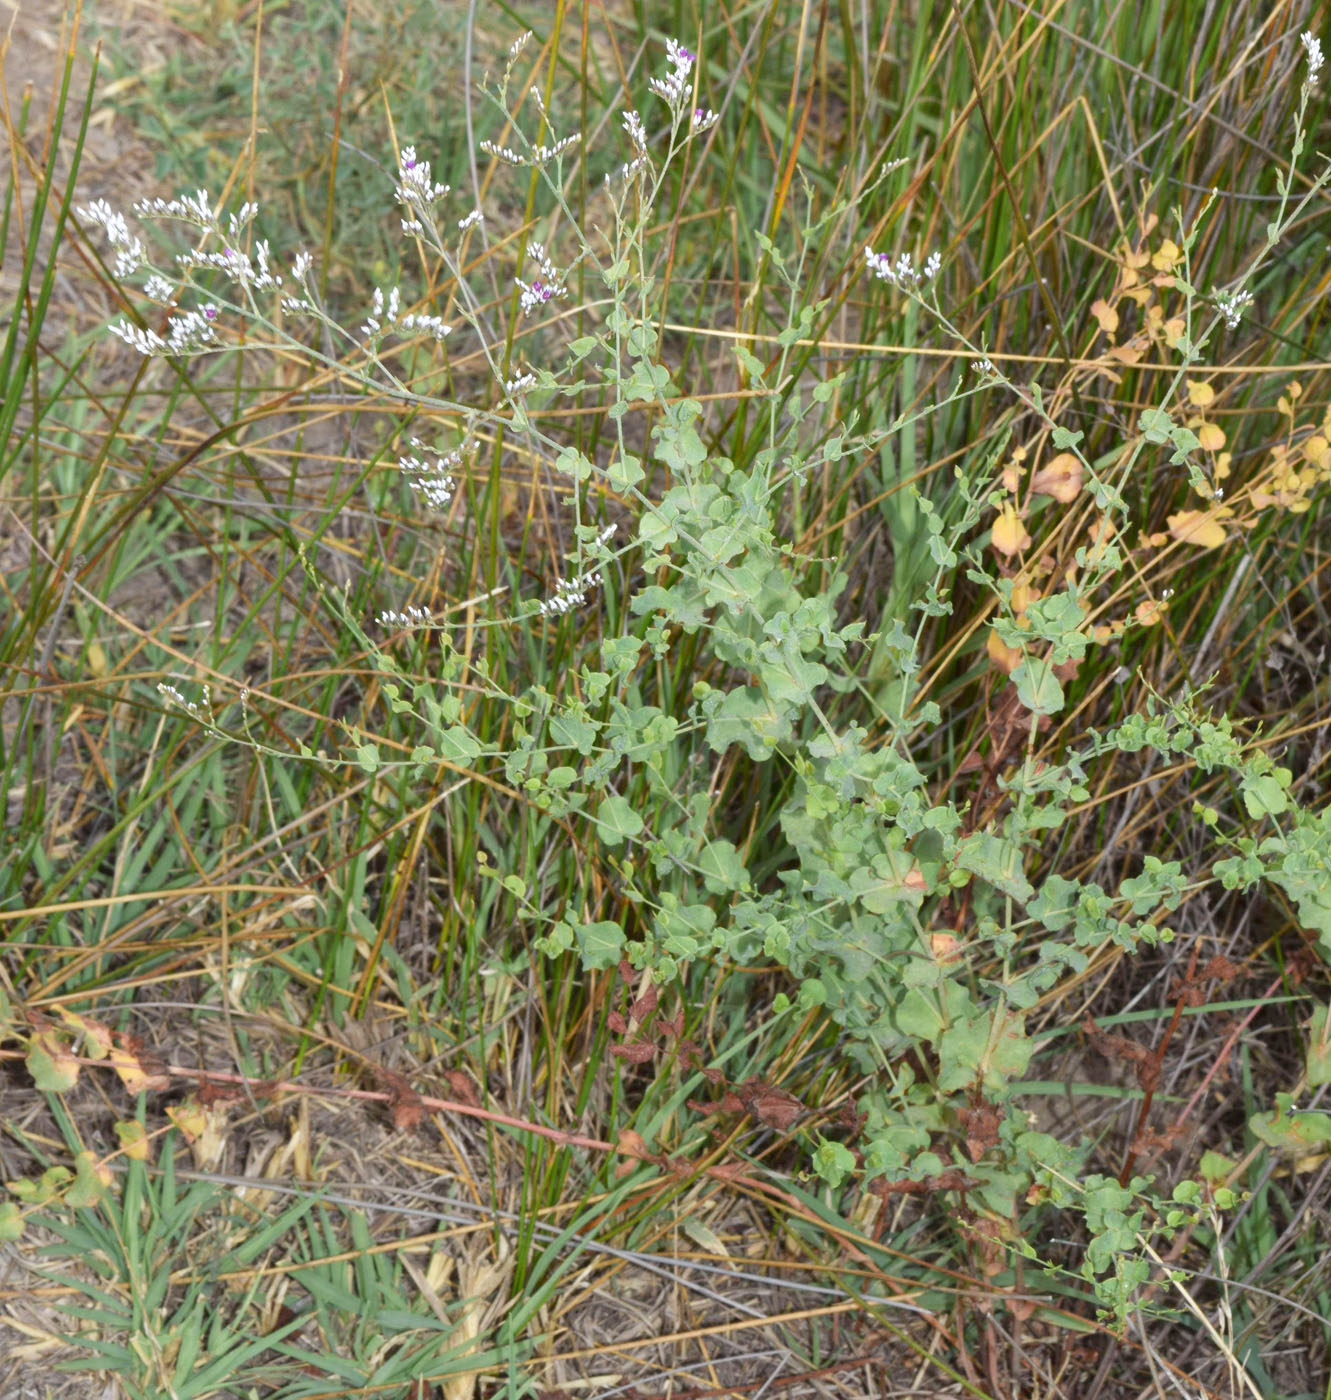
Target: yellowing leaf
column 90, row 1182
column 1318, row 451
column 1023, row 595
column 1130, row 353
column 134, row 1075
column 1197, row 527
column 1009, row 534
column 1006, row 658
column 52, row 1065
column 133, row 1140
column 1150, row 612
column 189, row 1117
column 1166, row 256
column 703, row 1236
column 11, row 1222
column 1106, row 315
column 1061, row 478
column 1211, row 436
column 1200, row 393
column 96, row 1037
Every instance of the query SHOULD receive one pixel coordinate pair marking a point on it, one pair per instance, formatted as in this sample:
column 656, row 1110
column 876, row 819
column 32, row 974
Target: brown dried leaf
column 404, row 1102
column 645, row 1005
column 1115, row 1047
column 461, row 1089
column 770, row 1105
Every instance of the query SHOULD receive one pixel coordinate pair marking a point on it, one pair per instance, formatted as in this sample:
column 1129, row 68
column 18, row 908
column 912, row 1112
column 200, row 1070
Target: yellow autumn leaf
column 1197, row 527
column 1106, row 315
column 1211, row 436
column 1060, row 478
column 1009, row 534
column 1023, row 595
column 133, row 1139
column 1166, row 256
column 1318, row 451
column 1150, row 612
column 188, row 1115
column 96, row 1036
column 53, row 1066
column 1200, row 393
column 1006, row 658
column 1130, row 353
column 133, row 1074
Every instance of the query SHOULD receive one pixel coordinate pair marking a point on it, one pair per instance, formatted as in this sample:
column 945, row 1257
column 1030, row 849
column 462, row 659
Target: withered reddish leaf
column 461, row 1089
column 951, row 1180
column 1222, row 968
column 645, row 1004
column 981, row 1128
column 770, row 1105
column 616, row 1022
column 706, row 1110
column 626, row 971
column 674, row 1024
column 403, row 1101
column 636, row 1052
column 729, row 1170
column 631, row 1144
column 711, row 1074
column 1190, row 993
column 210, row 1092
column 731, row 1103
column 1115, row 1047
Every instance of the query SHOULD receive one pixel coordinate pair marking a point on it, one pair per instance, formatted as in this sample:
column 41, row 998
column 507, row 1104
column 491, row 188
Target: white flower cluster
column 186, row 334
column 703, row 120
column 1231, row 305
column 538, row 155
column 434, row 481
column 130, row 255
column 569, row 593
column 902, row 273
column 386, row 314
column 519, row 384
column 236, row 264
column 410, row 616
column 1312, row 46
column 637, row 133
column 674, row 87
column 158, row 288
column 203, row 713
column 984, row 368
column 543, row 288
column 416, row 191
column 194, row 209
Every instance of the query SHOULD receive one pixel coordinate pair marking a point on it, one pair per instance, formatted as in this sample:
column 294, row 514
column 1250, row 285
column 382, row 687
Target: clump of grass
column 756, row 652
